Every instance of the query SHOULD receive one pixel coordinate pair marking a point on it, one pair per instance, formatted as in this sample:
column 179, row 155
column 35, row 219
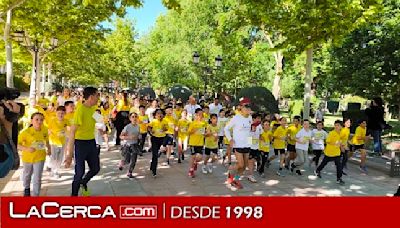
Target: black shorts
column 317, row 152
column 291, row 148
column 242, row 150
column 264, row 154
column 358, row 147
column 197, row 150
column 168, row 140
column 254, row 154
column 279, row 151
column 208, row 151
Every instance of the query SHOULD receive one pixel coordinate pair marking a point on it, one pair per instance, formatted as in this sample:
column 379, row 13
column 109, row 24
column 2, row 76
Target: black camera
column 11, row 94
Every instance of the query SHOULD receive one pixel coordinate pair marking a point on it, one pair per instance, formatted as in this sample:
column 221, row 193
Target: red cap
column 244, row 101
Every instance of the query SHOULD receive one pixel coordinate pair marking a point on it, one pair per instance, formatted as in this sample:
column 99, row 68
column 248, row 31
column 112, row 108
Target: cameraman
column 10, row 111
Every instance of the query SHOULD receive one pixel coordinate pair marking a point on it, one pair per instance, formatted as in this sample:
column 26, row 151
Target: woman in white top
column 303, row 138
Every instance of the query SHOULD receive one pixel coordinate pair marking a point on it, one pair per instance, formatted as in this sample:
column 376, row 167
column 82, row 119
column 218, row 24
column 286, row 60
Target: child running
column 265, row 144
column 280, row 136
column 196, row 140
column 359, row 139
column 143, row 123
column 182, row 128
column 156, row 129
column 332, row 152
column 130, row 144
column 292, row 130
column 303, row 138
column 211, row 144
column 34, row 142
column 254, row 156
column 318, row 137
column 57, row 132
column 170, row 123
column 344, row 136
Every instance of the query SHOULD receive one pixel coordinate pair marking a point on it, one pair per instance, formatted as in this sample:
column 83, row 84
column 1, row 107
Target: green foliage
column 295, row 108
column 261, row 98
column 18, row 83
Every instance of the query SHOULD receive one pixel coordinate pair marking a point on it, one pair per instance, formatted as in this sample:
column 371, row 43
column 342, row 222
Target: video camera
column 10, row 94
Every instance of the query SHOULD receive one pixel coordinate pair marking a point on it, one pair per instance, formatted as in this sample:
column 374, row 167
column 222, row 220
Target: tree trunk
column 43, row 80
column 49, row 75
column 307, row 83
column 35, row 74
column 8, row 44
column 276, row 88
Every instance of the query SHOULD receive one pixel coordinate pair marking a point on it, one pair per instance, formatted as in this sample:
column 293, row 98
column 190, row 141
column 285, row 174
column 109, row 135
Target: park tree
column 307, row 24
column 367, row 62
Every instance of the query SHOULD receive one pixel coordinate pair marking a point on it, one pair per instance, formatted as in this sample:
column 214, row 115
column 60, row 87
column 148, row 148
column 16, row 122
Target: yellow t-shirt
column 157, row 128
column 332, row 150
column 212, row 141
column 265, row 142
column 29, row 137
column 53, row 99
column 292, row 131
column 183, row 126
column 83, row 119
column 170, row 122
column 206, row 117
column 344, row 135
column 360, row 133
column 48, row 116
column 57, row 131
column 106, row 114
column 69, row 117
column 121, row 106
column 44, row 102
column 278, row 133
column 177, row 114
column 197, row 138
column 143, row 123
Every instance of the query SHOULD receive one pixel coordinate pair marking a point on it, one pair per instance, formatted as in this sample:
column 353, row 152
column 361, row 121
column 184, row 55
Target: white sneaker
column 204, row 169
column 210, row 169
column 252, row 179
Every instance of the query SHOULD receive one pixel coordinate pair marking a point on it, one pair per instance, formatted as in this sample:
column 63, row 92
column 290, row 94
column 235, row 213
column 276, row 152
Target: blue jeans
column 377, row 135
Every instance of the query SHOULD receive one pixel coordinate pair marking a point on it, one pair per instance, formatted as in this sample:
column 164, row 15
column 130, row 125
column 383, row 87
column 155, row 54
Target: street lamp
column 208, row 70
column 22, row 38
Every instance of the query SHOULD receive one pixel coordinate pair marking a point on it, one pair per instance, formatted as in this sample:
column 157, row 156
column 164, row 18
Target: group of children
column 206, row 136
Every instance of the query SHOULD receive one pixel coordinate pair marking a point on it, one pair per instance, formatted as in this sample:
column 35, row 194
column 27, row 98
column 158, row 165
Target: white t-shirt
column 318, row 138
column 241, row 127
column 214, row 109
column 99, row 127
column 305, row 137
column 255, row 135
column 61, row 100
column 149, row 112
column 191, row 110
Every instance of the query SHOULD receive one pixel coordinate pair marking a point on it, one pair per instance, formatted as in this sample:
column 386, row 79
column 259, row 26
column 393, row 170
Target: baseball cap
column 244, row 101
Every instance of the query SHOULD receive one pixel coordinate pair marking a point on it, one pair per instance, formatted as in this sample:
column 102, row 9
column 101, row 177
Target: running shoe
column 130, row 175
column 191, row 173
column 298, row 172
column 229, row 179
column 252, row 179
column 292, row 167
column 179, row 160
column 340, row 181
column 317, row 174
column 237, row 184
column 209, row 168
column 84, row 190
column 364, row 169
column 204, row 169
column 27, row 192
column 262, row 175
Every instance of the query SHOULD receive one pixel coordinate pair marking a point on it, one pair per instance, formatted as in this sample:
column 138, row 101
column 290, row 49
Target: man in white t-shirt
column 191, row 107
column 303, row 138
column 215, row 107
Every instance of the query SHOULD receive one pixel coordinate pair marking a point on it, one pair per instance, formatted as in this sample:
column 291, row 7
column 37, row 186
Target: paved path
column 174, row 181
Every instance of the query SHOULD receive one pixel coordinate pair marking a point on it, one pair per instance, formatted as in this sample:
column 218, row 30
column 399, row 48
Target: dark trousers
column 121, row 120
column 85, row 150
column 317, row 154
column 156, row 143
column 264, row 159
column 129, row 155
column 344, row 158
column 337, row 164
column 142, row 141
